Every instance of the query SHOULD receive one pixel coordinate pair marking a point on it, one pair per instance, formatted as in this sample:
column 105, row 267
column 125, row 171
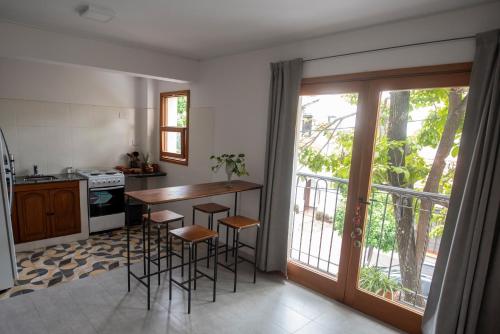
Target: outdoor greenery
column 375, row 280
column 182, row 111
column 400, row 160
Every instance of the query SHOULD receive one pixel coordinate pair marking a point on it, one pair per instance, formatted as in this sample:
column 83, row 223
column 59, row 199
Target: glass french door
column 376, row 155
column 328, row 119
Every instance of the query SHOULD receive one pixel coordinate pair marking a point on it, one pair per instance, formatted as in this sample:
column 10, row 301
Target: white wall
column 201, row 135
column 22, row 42
column 236, row 87
column 58, row 116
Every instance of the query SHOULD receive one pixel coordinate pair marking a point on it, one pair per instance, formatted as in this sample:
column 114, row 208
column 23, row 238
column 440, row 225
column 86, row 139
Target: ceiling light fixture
column 96, row 13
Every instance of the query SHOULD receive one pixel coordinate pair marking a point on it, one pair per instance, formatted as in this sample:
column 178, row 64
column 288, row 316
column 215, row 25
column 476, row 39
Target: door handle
column 356, row 232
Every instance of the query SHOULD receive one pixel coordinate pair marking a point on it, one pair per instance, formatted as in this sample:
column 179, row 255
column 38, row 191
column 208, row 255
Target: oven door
column 106, row 201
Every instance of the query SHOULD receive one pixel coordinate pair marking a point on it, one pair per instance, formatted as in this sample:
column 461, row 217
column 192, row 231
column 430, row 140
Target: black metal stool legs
column 182, row 258
column 193, row 273
column 158, row 246
column 149, row 257
column 227, row 241
column 236, row 257
column 216, row 255
column 189, row 275
column 169, row 257
column 144, row 244
column 128, row 258
column 195, row 250
column 237, row 224
column 209, row 242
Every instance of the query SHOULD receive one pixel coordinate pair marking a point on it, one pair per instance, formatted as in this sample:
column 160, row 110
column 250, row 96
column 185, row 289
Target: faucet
column 35, row 169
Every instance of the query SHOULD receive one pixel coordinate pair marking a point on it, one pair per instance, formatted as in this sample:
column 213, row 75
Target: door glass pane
column 324, row 145
column 414, row 164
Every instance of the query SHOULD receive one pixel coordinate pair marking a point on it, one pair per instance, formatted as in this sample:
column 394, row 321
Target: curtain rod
column 391, row 47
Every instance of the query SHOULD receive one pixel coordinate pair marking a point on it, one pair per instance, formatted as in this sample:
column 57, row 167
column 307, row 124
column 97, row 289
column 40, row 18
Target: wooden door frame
column 300, row 273
column 370, row 85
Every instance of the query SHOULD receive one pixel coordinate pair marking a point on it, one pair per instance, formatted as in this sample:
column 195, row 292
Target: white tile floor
column 101, row 304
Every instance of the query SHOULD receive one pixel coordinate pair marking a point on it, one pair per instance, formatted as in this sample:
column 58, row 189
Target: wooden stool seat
column 211, row 208
column 239, row 222
column 162, row 217
column 193, row 233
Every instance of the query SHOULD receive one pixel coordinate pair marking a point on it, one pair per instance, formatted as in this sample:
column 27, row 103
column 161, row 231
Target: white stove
column 106, row 198
column 101, row 178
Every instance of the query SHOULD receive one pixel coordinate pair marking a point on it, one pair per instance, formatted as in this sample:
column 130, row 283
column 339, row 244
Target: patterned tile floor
column 62, row 263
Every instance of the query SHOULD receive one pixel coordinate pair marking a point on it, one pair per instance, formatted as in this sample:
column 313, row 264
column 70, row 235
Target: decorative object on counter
column 155, row 169
column 70, row 170
column 147, row 165
column 234, row 164
column 134, row 160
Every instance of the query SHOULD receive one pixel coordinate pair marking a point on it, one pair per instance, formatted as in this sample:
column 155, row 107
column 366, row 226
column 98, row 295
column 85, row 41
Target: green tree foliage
column 182, row 111
column 427, row 105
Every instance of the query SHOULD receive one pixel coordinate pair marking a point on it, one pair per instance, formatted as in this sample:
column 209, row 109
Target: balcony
column 317, row 223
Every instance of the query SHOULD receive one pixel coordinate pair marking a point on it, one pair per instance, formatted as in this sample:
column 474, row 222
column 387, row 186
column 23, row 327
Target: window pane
column 177, row 111
column 412, row 175
column 172, row 142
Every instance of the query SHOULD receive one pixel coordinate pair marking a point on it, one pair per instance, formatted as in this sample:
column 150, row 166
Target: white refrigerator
column 8, row 266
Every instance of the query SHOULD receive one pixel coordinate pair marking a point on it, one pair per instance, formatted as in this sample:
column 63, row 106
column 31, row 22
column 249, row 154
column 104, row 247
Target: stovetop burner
column 103, row 177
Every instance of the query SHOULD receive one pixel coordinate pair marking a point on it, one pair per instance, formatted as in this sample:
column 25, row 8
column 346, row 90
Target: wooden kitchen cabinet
column 65, row 211
column 47, row 210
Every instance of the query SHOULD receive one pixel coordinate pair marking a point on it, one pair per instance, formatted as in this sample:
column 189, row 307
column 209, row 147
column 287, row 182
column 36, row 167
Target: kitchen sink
column 40, row 178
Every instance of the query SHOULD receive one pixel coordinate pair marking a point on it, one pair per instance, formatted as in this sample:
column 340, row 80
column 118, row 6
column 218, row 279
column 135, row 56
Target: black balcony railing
column 317, row 224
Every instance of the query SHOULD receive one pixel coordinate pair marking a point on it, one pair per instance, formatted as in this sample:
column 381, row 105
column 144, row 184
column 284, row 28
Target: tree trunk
column 402, row 206
column 456, row 112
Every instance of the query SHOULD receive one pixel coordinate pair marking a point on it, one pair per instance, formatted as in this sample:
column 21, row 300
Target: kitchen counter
column 59, row 178
column 141, row 175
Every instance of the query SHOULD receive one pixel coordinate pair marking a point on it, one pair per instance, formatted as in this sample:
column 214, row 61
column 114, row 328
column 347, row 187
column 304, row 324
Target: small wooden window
column 174, row 127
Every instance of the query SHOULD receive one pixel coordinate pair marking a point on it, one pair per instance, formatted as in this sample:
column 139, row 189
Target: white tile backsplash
column 57, row 115
column 81, row 115
column 32, row 149
column 29, row 113
column 58, row 135
column 7, row 114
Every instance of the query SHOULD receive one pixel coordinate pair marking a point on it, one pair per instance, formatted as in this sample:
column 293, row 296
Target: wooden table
column 193, row 191
column 152, row 197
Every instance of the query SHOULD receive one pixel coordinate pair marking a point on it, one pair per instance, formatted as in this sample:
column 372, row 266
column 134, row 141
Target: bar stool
column 158, row 219
column 193, row 235
column 239, row 223
column 210, row 209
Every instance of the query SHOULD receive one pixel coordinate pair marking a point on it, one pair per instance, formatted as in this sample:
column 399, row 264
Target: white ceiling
column 202, row 29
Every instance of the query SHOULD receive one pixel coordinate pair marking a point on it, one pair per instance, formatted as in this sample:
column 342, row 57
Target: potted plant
column 147, row 165
column 234, row 164
column 375, row 280
column 134, row 159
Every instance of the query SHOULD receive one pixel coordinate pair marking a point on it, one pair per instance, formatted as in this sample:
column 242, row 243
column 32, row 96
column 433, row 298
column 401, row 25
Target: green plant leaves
column 375, row 280
column 230, row 159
